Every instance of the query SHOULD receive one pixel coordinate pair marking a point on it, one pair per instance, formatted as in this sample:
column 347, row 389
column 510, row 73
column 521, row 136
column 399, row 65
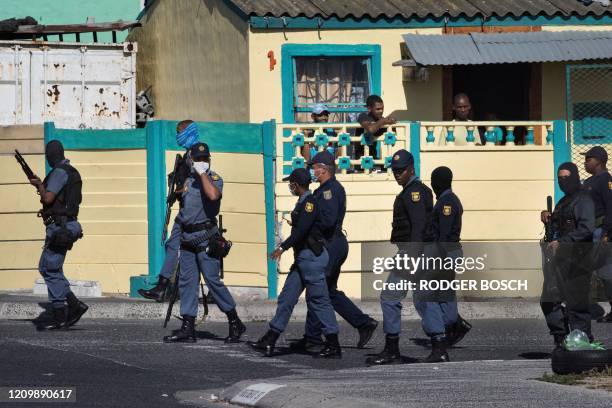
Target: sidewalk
column 20, row 305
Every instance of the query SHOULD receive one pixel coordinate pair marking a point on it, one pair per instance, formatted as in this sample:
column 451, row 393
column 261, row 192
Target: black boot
column 559, row 338
column 365, row 332
column 186, row 334
column 158, row 292
column 57, row 321
column 331, row 348
column 76, row 308
column 266, row 343
column 389, row 355
column 304, row 345
column 438, row 352
column 456, row 332
column 236, row 327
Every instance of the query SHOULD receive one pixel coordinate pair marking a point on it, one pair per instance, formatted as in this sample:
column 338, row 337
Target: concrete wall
column 194, row 53
column 113, row 215
column 73, row 12
column 243, row 211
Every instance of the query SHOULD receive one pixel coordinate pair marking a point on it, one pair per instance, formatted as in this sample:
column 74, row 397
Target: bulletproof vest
column 563, row 221
column 401, row 226
column 314, row 240
column 69, row 197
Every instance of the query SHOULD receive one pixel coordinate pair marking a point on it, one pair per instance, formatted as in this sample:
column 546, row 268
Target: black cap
column 323, row 157
column 199, row 151
column 300, row 176
column 402, row 159
column 597, row 152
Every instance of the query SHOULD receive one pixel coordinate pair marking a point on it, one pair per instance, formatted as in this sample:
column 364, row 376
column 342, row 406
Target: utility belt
column 62, row 239
column 57, row 219
column 218, row 247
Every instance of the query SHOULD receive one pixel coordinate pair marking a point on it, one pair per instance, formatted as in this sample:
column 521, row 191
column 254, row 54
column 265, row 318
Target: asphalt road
column 124, row 363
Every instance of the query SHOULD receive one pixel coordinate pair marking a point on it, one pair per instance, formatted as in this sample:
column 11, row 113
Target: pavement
column 22, row 305
column 124, row 363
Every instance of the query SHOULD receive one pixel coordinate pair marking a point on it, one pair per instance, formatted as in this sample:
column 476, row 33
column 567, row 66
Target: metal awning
column 499, row 48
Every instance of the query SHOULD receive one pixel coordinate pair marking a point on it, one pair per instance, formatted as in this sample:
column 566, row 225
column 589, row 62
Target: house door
column 589, row 109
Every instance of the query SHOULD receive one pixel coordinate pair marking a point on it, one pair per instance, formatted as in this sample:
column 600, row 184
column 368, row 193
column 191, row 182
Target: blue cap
column 324, row 157
column 300, row 176
column 402, row 159
column 319, row 108
column 199, row 150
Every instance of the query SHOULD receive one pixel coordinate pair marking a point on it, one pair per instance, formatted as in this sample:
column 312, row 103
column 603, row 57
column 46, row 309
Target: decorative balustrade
column 445, row 133
column 353, row 152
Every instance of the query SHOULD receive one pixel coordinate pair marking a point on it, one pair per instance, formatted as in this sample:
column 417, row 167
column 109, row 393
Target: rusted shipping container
column 75, row 85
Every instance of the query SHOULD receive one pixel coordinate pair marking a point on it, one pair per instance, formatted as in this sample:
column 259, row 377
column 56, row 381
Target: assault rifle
column 171, row 198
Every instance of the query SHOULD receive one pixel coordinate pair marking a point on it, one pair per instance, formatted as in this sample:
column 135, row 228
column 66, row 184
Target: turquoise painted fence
column 157, row 138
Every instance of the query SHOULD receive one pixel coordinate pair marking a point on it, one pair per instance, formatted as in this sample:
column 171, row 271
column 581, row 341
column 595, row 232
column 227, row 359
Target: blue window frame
column 313, row 61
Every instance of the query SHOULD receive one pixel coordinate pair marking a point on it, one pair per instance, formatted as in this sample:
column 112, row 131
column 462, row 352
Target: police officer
column 411, row 211
column 438, row 310
column 60, row 195
column 307, row 271
column 567, row 280
column 600, row 187
column 332, row 200
column 201, row 202
column 186, row 136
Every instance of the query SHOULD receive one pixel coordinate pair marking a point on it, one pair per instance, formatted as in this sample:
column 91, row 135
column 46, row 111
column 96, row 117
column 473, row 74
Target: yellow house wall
column 265, row 85
column 194, row 54
column 243, row 210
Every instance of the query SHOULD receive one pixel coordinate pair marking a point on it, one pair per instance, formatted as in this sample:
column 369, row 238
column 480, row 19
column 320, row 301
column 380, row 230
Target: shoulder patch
column 447, row 210
column 309, row 207
column 416, row 196
column 215, row 177
column 327, row 194
column 609, row 185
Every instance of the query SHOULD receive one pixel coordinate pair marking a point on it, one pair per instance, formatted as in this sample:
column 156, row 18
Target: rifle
column 171, row 198
column 548, row 232
column 24, row 165
column 173, row 296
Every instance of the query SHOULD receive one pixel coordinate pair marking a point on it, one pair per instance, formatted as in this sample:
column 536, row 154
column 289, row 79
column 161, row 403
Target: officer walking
column 332, row 199
column 438, row 311
column 600, row 187
column 567, row 280
column 307, row 272
column 411, row 211
column 186, row 136
column 60, row 195
column 201, row 203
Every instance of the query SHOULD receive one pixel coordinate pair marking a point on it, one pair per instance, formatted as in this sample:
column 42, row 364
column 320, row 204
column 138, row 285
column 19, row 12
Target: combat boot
column 457, row 331
column 236, row 327
column 186, row 334
column 558, row 338
column 331, row 348
column 57, row 321
column 158, row 292
column 389, row 355
column 438, row 352
column 365, row 332
column 266, row 343
column 76, row 308
column 304, row 345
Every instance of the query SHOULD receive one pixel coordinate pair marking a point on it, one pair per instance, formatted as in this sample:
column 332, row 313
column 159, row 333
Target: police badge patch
column 327, row 194
column 416, row 196
column 309, row 207
column 609, row 185
column 447, row 209
column 215, row 177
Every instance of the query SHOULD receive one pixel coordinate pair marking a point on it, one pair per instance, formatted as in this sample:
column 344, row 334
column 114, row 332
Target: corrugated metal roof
column 419, row 8
column 483, row 48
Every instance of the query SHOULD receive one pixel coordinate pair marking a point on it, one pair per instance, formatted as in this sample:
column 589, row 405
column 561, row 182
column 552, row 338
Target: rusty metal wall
column 74, row 85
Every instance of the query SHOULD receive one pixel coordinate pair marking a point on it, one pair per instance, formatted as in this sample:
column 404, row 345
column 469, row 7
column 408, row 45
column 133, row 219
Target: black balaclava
column 54, row 152
column 571, row 184
column 441, row 179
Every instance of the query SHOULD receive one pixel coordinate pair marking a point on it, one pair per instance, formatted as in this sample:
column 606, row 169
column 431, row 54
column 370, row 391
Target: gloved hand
column 201, row 167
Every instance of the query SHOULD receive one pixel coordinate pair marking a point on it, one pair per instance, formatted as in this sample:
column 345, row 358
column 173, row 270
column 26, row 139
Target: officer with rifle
column 567, row 254
column 186, row 136
column 60, row 195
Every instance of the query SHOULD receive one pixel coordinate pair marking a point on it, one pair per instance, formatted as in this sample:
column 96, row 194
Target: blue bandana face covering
column 188, row 137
